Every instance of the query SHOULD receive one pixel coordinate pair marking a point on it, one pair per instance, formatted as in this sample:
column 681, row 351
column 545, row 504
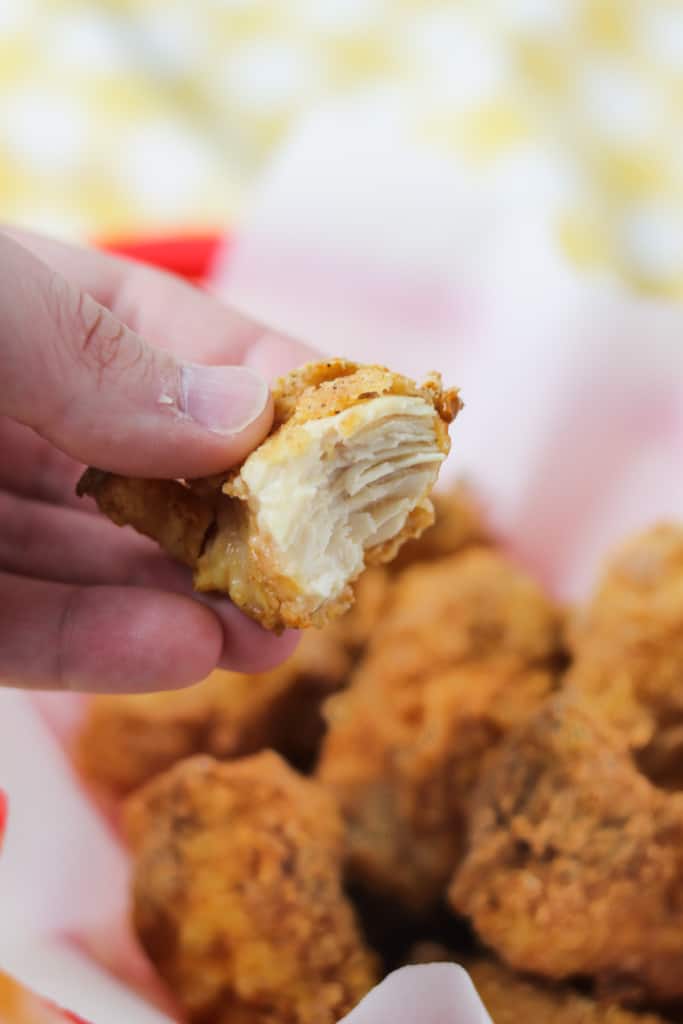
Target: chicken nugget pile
column 456, row 769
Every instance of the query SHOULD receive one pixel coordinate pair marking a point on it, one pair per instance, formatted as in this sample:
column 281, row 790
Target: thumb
column 96, row 390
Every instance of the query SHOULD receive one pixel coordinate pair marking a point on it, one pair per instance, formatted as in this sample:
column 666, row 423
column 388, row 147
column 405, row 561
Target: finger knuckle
column 97, row 335
column 93, row 335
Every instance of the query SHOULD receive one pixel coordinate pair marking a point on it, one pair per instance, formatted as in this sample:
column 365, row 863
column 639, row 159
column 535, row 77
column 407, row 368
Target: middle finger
column 67, row 546
column 33, row 468
column 70, row 546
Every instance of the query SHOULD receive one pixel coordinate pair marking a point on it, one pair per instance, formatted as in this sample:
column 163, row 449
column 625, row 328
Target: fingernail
column 224, row 399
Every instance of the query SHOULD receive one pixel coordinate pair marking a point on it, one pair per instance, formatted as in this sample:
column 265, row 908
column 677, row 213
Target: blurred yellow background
column 145, row 115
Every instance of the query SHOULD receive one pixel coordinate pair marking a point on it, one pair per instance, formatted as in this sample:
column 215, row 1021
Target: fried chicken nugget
column 575, row 861
column 237, row 894
column 461, row 609
column 511, row 999
column 465, row 650
column 628, row 649
column 341, row 482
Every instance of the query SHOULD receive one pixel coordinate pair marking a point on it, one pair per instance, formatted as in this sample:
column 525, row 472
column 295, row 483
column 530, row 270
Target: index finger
column 168, row 312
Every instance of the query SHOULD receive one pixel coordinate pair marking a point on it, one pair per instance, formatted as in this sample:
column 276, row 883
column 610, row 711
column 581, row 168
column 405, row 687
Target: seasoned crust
column 325, row 389
column 165, row 510
column 341, row 482
column 237, row 896
column 466, row 607
column 575, row 860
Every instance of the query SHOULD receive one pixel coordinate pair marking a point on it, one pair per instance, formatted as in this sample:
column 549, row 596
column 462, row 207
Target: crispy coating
column 575, row 861
column 458, row 524
column 628, row 649
column 460, row 609
column 365, row 442
column 465, row 650
column 164, row 510
column 511, row 999
column 127, row 739
column 324, row 389
column 237, row 894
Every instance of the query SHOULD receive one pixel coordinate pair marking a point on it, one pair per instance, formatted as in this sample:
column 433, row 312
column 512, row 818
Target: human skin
column 108, row 362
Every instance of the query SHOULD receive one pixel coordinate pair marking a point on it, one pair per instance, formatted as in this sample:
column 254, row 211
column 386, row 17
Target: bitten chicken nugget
column 511, row 999
column 237, row 894
column 575, row 861
column 628, row 649
column 340, row 483
column 465, row 650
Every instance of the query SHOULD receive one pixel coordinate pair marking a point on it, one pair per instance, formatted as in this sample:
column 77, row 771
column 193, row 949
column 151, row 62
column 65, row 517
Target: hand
column 106, row 362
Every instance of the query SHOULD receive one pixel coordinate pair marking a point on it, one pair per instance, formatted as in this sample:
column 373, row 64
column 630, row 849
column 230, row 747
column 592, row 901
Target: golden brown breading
column 237, row 894
column 458, row 524
column 465, row 650
column 511, row 999
column 575, row 861
column 463, row 608
column 323, row 389
column 341, row 482
column 162, row 509
column 628, row 649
